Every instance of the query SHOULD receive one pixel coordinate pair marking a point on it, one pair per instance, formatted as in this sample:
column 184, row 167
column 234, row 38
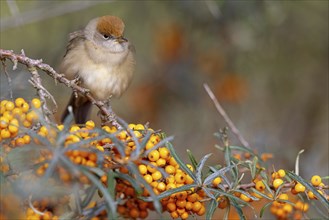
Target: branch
column 108, row 114
column 225, row 116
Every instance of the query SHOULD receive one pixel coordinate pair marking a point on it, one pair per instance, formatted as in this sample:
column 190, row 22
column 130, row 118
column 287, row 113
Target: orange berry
column 19, row 102
column 281, row 173
column 299, row 188
column 164, row 153
column 316, row 180
column 156, row 175
column 287, row 208
column 142, row 169
column 9, row 106
column 5, row 133
column 196, row 206
column 171, row 206
column 161, row 162
column 153, row 155
column 134, row 213
column 216, row 181
column 181, row 203
column 245, row 198
column 284, row 196
column 277, row 183
column 25, row 107
column 260, row 186
column 152, row 167
column 180, row 177
column 139, row 127
column 36, row 103
column 170, row 169
column 161, row 186
column 201, row 211
column 190, row 167
column 184, row 215
column 148, row 178
column 174, row 214
column 4, row 122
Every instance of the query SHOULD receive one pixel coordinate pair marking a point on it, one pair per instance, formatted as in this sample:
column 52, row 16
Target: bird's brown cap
column 110, row 25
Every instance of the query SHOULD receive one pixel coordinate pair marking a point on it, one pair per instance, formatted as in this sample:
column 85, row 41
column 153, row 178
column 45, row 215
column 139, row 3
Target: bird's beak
column 121, row 40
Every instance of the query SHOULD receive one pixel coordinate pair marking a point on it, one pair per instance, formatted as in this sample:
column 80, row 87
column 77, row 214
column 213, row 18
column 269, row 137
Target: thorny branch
column 225, row 116
column 32, row 64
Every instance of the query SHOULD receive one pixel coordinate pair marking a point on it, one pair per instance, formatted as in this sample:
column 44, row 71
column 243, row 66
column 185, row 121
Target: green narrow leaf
column 253, row 167
column 238, row 209
column 263, row 209
column 200, row 167
column 260, row 193
column 176, row 190
column 194, row 163
column 90, row 192
column 217, row 173
column 211, row 208
column 111, row 183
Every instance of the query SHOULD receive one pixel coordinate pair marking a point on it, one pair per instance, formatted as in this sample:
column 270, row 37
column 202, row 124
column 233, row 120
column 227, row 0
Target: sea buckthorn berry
column 201, row 211
column 4, row 122
column 74, row 128
column 181, row 203
column 19, row 142
column 184, row 215
column 188, row 206
column 277, row 183
column 17, row 111
column 139, row 127
column 170, row 169
column 192, row 197
column 172, row 161
column 170, row 186
column 180, row 177
column 25, row 107
column 161, row 162
column 245, row 197
column 287, row 208
column 164, row 153
column 152, row 167
column 153, row 155
column 137, row 134
column 171, row 206
column 196, row 206
column 90, row 124
column 5, row 133
column 26, row 123
column 122, row 135
column 174, row 214
column 27, row 139
column 284, row 196
column 216, row 181
column 260, row 185
column 31, row 116
column 181, row 195
column 156, row 175
column 142, row 169
column 10, row 106
column 299, row 188
column 134, row 213
column 148, row 178
column 189, row 180
column 149, row 145
column 281, row 173
column 13, row 128
column 132, row 126
column 190, row 167
column 36, row 103
column 161, row 186
column 19, row 102
column 316, row 180
column 155, row 139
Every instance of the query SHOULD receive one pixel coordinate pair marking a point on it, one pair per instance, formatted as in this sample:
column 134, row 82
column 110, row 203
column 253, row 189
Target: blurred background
column 266, row 62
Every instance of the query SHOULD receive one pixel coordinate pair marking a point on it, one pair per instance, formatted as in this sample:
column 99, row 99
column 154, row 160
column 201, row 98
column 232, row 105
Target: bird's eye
column 106, row 37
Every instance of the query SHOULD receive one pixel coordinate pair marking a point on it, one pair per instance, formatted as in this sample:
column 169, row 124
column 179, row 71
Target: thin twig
column 109, row 115
column 225, row 116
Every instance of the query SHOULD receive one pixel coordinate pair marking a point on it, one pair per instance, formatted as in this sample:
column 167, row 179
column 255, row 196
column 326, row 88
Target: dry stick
column 225, row 116
column 21, row 58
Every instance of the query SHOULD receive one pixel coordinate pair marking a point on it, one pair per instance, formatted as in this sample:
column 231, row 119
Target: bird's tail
column 81, row 107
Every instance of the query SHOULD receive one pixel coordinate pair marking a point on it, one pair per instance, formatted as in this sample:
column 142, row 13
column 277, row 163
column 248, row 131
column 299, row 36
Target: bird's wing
column 75, row 38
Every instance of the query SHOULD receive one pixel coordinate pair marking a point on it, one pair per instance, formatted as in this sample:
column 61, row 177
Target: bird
column 101, row 59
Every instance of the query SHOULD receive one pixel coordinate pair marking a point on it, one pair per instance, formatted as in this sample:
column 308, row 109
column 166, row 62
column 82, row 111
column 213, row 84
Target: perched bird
column 103, row 61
